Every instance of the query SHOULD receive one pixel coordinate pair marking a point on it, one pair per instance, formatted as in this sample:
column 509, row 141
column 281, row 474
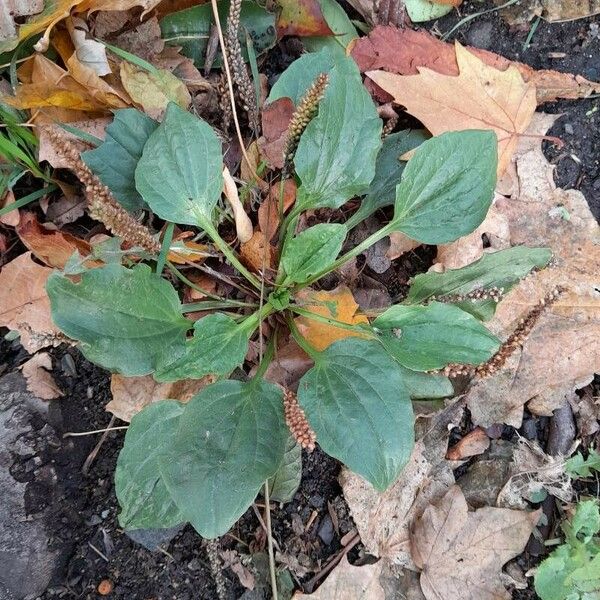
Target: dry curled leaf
column 11, row 218
column 461, row 554
column 268, row 211
column 480, row 97
column 257, row 253
column 243, row 224
column 276, row 117
column 402, row 51
column 39, row 379
column 131, row 394
column 348, row 582
column 24, row 304
column 474, row 443
column 563, row 351
column 338, row 305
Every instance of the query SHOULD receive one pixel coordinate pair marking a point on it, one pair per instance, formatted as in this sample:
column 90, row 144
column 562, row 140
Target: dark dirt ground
column 83, row 511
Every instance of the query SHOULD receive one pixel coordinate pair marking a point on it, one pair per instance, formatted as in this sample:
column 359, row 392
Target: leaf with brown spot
column 24, row 304
column 403, row 51
column 301, row 18
column 461, row 554
column 480, row 97
column 337, row 304
column 39, row 379
column 132, row 394
column 268, row 211
column 51, row 246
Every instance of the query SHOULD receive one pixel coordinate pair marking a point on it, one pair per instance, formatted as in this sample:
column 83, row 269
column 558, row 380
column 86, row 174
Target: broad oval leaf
column 424, row 338
column 286, row 481
column 447, row 186
column 335, row 159
column 300, row 75
column 115, row 160
column 142, row 494
column 190, row 30
column 502, row 269
column 428, row 386
column 180, row 172
column 356, row 402
column 125, row 319
column 388, row 172
column 312, row 250
column 219, row 346
column 231, row 438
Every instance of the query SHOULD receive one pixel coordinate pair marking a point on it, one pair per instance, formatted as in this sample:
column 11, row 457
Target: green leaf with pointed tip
column 447, row 186
column 502, row 269
column 388, row 172
column 286, row 481
column 219, row 346
column 336, row 155
column 312, row 250
column 426, row 386
column 124, row 319
column 190, row 30
column 424, row 338
column 180, row 172
column 116, row 159
column 231, row 438
column 142, row 494
column 356, row 402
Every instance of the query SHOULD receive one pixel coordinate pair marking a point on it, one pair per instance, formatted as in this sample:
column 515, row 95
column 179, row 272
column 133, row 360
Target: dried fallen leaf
column 96, row 5
column 402, row 51
column 480, row 97
column 39, row 379
column 90, row 53
column 153, row 90
column 558, row 10
column 257, row 253
column 400, row 244
column 51, row 246
column 563, row 351
column 131, row 394
column 233, row 560
column 24, row 304
column 243, row 224
column 474, row 443
column 268, row 211
column 288, row 366
column 10, row 10
column 276, row 118
column 461, row 554
column 350, row 583
column 337, row 304
column 302, row 18
column 384, row 12
column 10, row 218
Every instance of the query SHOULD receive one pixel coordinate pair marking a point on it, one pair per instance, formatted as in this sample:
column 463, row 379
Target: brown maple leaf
column 480, row 97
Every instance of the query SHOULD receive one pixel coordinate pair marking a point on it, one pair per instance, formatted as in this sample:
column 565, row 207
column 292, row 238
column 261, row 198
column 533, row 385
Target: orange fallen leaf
column 474, row 443
column 268, row 211
column 337, row 304
column 480, row 97
column 39, row 379
column 24, row 304
column 131, row 394
column 403, row 51
column 301, row 17
column 258, row 254
column 190, row 252
column 53, row 247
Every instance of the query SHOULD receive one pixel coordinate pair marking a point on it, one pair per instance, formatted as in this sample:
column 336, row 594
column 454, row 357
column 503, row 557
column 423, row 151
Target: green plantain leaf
column 356, row 402
column 447, row 186
column 426, row 386
column 388, row 172
column 336, row 155
column 286, row 481
column 142, row 494
column 424, row 338
column 231, row 438
column 116, row 159
column 124, row 318
column 219, row 346
column 301, row 74
column 189, row 29
column 502, row 269
column 180, row 172
column 426, row 10
column 312, row 250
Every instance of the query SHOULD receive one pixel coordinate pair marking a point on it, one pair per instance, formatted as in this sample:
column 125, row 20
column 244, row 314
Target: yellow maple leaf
column 480, row 97
column 338, row 304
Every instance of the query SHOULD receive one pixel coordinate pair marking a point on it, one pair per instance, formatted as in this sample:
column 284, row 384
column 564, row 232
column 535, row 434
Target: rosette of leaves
column 204, row 462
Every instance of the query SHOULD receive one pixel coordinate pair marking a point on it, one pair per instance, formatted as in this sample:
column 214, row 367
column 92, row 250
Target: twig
column 230, row 86
column 100, row 554
column 90, row 459
column 82, row 433
column 264, row 525
column 270, row 542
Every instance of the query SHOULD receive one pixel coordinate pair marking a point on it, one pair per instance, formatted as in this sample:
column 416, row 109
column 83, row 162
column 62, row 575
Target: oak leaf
column 338, row 305
column 132, row 394
column 404, row 50
column 461, row 554
column 480, row 97
column 39, row 378
column 24, row 304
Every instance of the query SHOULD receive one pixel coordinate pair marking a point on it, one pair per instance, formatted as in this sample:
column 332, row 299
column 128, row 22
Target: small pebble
column 569, row 129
